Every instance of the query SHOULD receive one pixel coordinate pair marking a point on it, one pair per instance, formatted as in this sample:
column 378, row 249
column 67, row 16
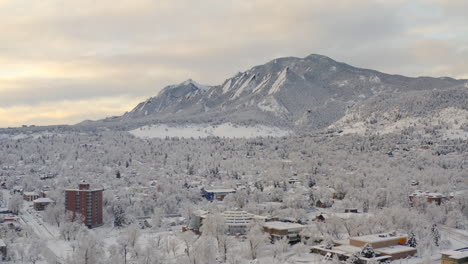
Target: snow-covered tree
column 368, row 251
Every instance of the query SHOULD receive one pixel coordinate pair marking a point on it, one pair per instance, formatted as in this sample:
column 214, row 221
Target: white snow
column 199, row 86
column 227, row 86
column 374, row 79
column 279, row 82
column 227, row 130
column 242, row 88
column 454, row 118
column 270, row 104
column 262, row 84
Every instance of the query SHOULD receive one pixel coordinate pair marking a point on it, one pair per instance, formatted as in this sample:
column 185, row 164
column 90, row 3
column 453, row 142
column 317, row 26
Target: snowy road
column 55, row 247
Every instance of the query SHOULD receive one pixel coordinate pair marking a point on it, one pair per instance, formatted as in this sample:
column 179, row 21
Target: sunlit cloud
column 78, row 51
column 54, row 113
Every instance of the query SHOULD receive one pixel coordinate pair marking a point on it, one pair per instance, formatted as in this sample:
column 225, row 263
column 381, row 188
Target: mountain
column 312, row 92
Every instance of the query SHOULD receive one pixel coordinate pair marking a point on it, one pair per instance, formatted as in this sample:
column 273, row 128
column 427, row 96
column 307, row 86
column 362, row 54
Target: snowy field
column 227, row 130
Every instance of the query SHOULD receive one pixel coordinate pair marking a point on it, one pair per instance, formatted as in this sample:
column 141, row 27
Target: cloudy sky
column 66, row 61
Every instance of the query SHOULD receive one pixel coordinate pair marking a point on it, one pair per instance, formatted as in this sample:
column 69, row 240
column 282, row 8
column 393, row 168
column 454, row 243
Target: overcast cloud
column 67, row 61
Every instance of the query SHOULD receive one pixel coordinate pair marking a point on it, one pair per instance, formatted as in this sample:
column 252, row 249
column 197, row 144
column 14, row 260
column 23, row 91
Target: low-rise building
column 30, row 196
column 456, row 256
column 196, row 220
column 238, row 222
column 386, row 246
column 280, row 230
column 429, row 197
column 217, row 194
column 41, row 203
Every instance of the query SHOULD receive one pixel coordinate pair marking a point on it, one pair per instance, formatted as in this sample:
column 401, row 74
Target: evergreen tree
column 435, row 235
column 368, row 251
column 412, row 240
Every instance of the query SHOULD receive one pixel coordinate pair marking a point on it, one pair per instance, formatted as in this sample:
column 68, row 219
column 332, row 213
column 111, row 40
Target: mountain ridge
column 313, row 92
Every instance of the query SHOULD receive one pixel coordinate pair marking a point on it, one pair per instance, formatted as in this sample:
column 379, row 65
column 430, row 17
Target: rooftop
column 428, row 194
column 457, row 253
column 394, row 249
column 283, row 225
column 220, row 190
column 347, row 249
column 379, row 237
column 43, row 200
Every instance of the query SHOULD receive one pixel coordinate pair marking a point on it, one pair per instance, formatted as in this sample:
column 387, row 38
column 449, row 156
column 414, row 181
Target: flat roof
column 283, row 225
column 30, row 193
column 347, row 249
column 394, row 249
column 43, row 200
column 2, row 243
column 89, row 190
column 456, row 253
column 220, row 190
column 378, row 237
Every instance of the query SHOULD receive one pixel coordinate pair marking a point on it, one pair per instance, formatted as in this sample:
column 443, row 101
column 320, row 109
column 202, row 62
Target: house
column 3, row 250
column 30, row 196
column 294, row 180
column 216, row 194
column 387, row 246
column 324, row 203
column 457, row 256
column 196, row 220
column 279, row 230
column 41, row 203
column 17, row 189
column 414, row 183
column 436, row 198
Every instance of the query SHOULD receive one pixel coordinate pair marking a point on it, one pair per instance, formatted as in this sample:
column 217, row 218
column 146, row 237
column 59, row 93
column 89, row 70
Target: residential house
column 387, row 246
column 435, row 198
column 457, row 256
column 30, row 196
column 41, row 203
column 279, row 230
column 217, row 194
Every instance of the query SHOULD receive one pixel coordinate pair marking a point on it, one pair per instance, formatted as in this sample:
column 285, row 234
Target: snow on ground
column 227, row 130
column 270, row 104
column 278, row 83
column 450, row 120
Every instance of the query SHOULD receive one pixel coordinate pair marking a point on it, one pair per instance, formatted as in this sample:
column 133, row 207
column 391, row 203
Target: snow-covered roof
column 347, row 249
column 43, row 200
column 283, row 226
column 30, row 193
column 220, row 190
column 428, row 194
column 379, row 237
column 394, row 249
column 456, row 253
column 200, row 212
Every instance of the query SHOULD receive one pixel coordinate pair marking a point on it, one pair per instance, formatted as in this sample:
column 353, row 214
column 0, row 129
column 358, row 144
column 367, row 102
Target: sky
column 63, row 62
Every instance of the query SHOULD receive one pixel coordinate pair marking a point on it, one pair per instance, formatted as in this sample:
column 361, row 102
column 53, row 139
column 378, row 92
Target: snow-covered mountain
column 312, row 92
column 301, row 94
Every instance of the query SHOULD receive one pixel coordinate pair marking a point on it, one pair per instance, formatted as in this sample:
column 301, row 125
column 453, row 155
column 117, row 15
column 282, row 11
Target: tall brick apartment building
column 87, row 202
